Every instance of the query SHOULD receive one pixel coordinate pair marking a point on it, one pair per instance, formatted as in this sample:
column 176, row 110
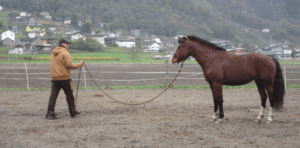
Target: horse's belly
column 239, row 80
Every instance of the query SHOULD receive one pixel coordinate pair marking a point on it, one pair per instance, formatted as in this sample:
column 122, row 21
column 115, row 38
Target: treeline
column 89, row 45
column 205, row 18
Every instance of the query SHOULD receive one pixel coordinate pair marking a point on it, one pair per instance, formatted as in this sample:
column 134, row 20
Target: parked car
column 157, row 57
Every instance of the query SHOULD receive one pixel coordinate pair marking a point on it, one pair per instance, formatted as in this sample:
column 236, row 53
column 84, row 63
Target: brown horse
column 221, row 68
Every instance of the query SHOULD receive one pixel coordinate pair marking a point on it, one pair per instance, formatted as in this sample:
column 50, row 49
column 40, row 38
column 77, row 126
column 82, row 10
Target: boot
column 52, row 116
column 76, row 114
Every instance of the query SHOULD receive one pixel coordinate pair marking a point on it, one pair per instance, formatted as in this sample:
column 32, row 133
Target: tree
column 248, row 47
column 74, row 20
column 86, row 27
column 134, row 53
column 138, row 43
column 292, row 8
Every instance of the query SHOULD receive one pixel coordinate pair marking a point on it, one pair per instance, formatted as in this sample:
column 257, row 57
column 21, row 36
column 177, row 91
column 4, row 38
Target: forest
column 222, row 19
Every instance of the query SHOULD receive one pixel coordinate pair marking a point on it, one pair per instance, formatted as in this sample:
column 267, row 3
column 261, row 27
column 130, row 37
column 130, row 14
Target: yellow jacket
column 61, row 63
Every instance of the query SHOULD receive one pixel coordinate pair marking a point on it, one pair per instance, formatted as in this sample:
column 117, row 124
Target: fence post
column 27, row 77
column 284, row 76
column 167, row 74
column 84, row 76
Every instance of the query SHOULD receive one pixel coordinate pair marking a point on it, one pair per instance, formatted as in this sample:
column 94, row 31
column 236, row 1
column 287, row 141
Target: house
column 8, row 42
column 266, row 30
column 67, row 21
column 110, row 41
column 127, row 43
column 139, row 32
column 15, row 29
column 36, row 33
column 37, row 27
column 16, row 50
column 8, row 34
column 99, row 37
column 286, row 54
column 31, row 22
column 44, row 13
column 151, row 46
column 237, row 51
column 49, row 17
column 1, row 8
column 76, row 36
column 23, row 14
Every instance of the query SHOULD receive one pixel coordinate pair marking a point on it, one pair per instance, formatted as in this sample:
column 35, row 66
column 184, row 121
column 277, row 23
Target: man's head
column 64, row 43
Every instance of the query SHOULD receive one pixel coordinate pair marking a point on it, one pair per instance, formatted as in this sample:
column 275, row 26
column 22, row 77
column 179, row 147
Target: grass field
column 3, row 16
column 110, row 55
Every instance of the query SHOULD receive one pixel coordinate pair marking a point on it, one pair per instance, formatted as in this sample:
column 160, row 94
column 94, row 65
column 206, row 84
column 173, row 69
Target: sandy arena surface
column 178, row 118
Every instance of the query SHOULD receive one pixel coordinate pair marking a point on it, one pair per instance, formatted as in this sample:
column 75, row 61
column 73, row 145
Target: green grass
column 4, row 16
column 120, row 53
column 161, row 86
column 17, row 36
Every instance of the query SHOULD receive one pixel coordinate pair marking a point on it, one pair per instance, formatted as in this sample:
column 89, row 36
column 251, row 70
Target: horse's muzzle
column 174, row 60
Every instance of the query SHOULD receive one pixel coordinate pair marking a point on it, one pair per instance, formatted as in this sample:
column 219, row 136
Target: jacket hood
column 58, row 50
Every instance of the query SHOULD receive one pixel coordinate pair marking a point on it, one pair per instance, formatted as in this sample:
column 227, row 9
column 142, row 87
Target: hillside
column 222, row 19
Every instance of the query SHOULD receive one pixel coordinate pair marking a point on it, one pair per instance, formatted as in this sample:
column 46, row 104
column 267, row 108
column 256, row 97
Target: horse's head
column 182, row 52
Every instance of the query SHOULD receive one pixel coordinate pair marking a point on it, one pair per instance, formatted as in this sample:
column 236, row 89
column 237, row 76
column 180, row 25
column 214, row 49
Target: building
column 127, row 43
column 139, row 32
column 8, row 34
column 7, row 42
column 76, row 36
column 16, row 50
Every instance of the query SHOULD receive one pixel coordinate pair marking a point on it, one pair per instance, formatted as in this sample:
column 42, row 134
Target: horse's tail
column 278, row 87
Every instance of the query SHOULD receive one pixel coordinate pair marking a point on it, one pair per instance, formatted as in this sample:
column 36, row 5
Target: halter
column 189, row 46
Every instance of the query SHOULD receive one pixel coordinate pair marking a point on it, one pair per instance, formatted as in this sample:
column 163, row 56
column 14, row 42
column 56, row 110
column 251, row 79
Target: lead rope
column 77, row 86
column 124, row 102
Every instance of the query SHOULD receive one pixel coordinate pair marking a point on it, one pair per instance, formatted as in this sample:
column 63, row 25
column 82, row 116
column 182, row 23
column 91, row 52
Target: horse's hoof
column 213, row 120
column 257, row 121
column 219, row 121
column 269, row 122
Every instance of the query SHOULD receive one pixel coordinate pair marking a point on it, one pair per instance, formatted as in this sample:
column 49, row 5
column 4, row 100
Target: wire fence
column 188, row 75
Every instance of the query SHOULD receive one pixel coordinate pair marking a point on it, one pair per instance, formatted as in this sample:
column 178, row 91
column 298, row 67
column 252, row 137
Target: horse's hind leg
column 270, row 94
column 218, row 100
column 215, row 115
column 263, row 96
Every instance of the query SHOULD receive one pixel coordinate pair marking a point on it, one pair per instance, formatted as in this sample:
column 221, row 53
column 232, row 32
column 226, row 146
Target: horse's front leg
column 218, row 100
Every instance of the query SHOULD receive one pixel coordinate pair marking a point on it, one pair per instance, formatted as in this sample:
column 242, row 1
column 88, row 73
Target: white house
column 8, row 34
column 154, row 47
column 126, row 43
column 266, row 30
column 100, row 38
column 47, row 46
column 44, row 13
column 48, row 17
column 67, row 21
column 23, row 14
column 1, row 8
column 17, row 50
column 36, row 33
column 76, row 36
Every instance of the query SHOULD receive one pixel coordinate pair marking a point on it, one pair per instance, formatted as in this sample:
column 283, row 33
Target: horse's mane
column 202, row 41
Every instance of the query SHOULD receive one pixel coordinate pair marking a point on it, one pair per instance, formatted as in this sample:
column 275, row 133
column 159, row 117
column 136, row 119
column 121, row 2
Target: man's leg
column 53, row 97
column 68, row 89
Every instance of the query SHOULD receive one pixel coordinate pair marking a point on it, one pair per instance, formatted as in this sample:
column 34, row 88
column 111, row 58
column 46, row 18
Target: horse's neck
column 204, row 55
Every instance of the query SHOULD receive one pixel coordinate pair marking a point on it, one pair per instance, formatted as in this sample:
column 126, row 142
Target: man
column 61, row 63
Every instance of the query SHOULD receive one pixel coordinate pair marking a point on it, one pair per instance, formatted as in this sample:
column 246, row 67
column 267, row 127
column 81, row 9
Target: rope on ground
column 124, row 102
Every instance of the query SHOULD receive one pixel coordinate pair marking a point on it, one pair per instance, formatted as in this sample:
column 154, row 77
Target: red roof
column 238, row 51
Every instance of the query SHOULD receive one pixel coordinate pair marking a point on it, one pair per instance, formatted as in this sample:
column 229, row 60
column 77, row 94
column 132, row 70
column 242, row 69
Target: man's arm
column 69, row 64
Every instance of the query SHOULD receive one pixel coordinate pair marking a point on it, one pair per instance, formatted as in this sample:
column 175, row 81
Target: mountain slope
column 224, row 19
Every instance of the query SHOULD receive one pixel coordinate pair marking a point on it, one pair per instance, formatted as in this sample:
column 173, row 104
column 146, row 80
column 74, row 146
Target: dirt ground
column 178, row 118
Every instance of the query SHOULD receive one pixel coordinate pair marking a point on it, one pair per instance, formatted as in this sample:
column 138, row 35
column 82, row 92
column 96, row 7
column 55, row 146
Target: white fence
column 166, row 79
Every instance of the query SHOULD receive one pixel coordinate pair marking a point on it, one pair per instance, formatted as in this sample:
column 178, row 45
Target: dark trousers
column 66, row 85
